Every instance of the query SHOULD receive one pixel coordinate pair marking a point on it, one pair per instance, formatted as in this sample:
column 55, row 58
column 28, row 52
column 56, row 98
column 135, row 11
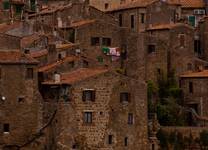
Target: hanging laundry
column 105, row 50
column 113, row 52
column 114, row 58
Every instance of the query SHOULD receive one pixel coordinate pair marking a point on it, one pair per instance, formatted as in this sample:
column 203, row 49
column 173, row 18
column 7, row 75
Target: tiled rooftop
column 56, row 64
column 200, row 74
column 78, row 75
column 145, row 3
column 15, row 56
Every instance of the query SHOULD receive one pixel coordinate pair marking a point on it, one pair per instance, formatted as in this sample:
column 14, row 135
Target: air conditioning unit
column 199, row 12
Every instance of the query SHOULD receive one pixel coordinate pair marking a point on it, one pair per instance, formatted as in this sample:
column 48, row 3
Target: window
column 126, row 141
column 110, row 139
column 120, row 20
column 21, row 100
column 6, row 128
column 191, row 87
column 130, row 118
column 88, row 117
column 189, row 66
column 71, row 64
column 197, row 46
column 85, row 64
column 106, row 42
column 106, row 5
column 124, row 97
column 142, row 17
column 6, row 4
column 0, row 73
column 182, row 40
column 132, row 21
column 95, row 41
column 29, row 73
column 151, row 48
column 88, row 95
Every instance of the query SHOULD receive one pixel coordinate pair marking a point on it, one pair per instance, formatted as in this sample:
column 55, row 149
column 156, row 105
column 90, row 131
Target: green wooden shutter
column 6, row 5
column 192, row 20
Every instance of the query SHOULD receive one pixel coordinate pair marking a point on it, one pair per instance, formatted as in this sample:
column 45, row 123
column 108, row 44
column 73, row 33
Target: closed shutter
column 192, row 20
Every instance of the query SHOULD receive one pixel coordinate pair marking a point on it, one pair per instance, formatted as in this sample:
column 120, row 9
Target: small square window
column 71, row 64
column 106, row 42
column 124, row 97
column 88, row 95
column 95, row 41
column 6, row 128
column 29, row 73
column 151, row 48
column 21, row 100
column 130, row 118
column 132, row 21
column 88, row 117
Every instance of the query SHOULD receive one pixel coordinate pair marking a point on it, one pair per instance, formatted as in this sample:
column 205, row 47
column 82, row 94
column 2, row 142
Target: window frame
column 92, row 93
column 95, row 41
column 88, row 117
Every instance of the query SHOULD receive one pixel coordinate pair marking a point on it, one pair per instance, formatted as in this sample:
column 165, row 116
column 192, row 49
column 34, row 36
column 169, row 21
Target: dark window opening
column 153, row 146
column 106, row 5
column 130, row 118
column 88, row 117
column 106, row 42
column 95, row 41
column 29, row 73
column 191, row 87
column 71, row 35
column 126, row 141
column 0, row 73
column 120, row 20
column 6, row 128
column 85, row 64
column 132, row 21
column 142, row 17
column 21, row 100
column 159, row 71
column 59, row 56
column 197, row 46
column 151, row 48
column 124, row 97
column 71, row 64
column 110, row 139
column 88, row 95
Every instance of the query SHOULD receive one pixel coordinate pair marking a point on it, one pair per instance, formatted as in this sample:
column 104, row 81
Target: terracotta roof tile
column 61, row 47
column 56, row 64
column 167, row 26
column 192, row 3
column 15, row 56
column 145, row 3
column 39, row 53
column 4, row 27
column 200, row 74
column 78, row 75
column 80, row 23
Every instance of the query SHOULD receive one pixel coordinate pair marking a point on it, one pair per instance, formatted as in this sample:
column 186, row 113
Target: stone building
column 194, row 86
column 164, row 55
column 107, row 110
column 20, row 116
